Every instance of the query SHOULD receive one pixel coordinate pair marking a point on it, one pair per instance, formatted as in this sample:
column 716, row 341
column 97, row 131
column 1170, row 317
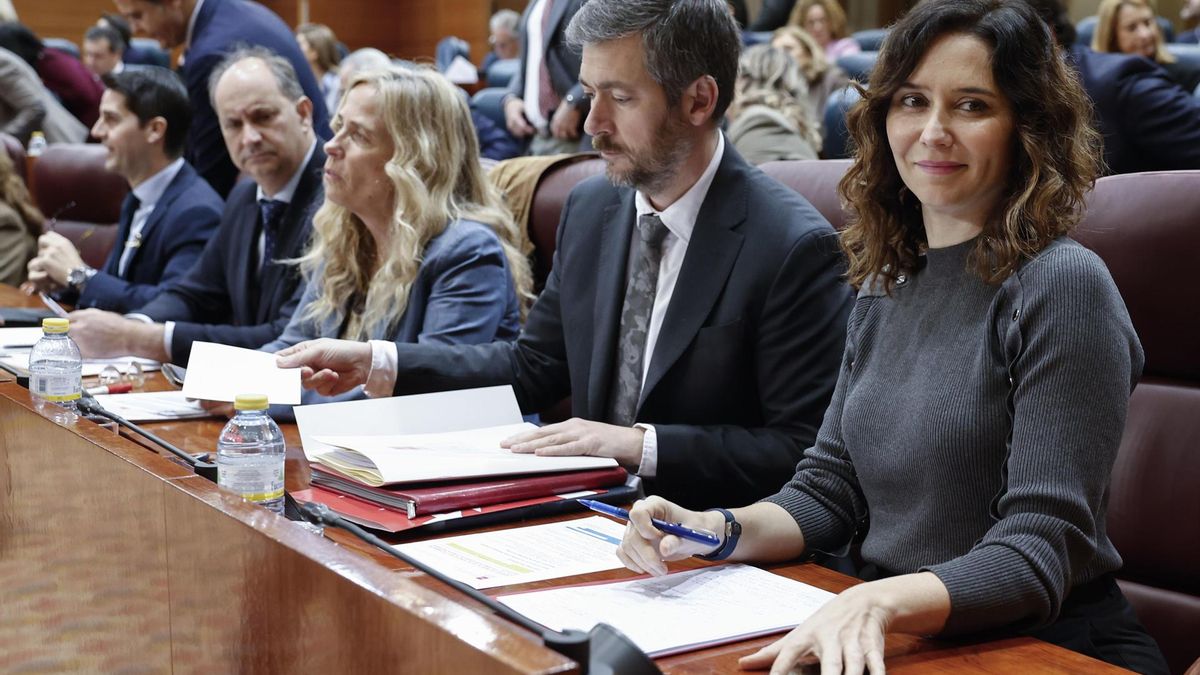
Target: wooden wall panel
column 61, row 18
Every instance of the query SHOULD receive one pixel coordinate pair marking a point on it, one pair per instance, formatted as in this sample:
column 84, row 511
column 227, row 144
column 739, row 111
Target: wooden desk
column 113, row 557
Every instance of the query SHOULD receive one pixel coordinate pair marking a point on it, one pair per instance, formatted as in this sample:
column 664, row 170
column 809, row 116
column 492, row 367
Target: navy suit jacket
column 1149, row 122
column 182, row 222
column 223, row 299
column 221, row 26
column 749, row 350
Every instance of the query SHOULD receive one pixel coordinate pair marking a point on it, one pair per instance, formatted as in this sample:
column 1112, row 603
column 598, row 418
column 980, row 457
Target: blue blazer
column 221, row 26
column 182, row 222
column 749, row 350
column 1149, row 122
column 223, row 299
column 463, row 294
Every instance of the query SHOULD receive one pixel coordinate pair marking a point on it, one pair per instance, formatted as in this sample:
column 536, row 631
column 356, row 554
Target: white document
column 452, row 455
column 152, row 406
column 91, row 367
column 462, row 71
column 418, row 414
column 220, row 373
column 682, row 611
column 523, row 554
column 19, row 337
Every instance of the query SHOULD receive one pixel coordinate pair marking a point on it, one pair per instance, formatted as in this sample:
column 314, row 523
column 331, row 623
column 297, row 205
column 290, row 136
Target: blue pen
column 702, row 536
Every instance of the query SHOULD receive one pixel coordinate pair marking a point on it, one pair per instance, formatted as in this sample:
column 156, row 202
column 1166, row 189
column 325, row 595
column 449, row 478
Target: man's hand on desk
column 329, row 366
column 55, row 259
column 581, row 437
column 101, row 334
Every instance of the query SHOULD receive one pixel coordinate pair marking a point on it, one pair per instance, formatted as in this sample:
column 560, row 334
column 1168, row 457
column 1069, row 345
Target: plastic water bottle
column 56, row 372
column 250, row 453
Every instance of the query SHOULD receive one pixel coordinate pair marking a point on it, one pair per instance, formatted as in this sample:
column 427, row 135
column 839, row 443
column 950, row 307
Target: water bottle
column 37, row 146
column 56, row 372
column 250, row 453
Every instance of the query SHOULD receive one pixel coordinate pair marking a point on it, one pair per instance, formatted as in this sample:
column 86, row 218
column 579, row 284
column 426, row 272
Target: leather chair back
column 870, row 40
column 858, row 66
column 502, row 71
column 816, row 180
column 1144, row 227
column 489, row 102
column 69, row 172
column 836, row 143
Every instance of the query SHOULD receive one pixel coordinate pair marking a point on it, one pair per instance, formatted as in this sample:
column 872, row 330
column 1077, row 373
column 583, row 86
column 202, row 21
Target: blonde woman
column 20, row 224
column 825, row 20
column 823, row 77
column 1131, row 27
column 770, row 118
column 412, row 243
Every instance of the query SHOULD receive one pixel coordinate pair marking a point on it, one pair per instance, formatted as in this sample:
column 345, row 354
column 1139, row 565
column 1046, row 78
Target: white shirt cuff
column 381, row 381
column 168, row 329
column 649, row 466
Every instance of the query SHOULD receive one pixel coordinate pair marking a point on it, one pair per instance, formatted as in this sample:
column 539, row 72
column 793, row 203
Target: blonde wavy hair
column 437, row 178
column 1056, row 155
column 1105, row 37
column 769, row 77
column 833, row 12
column 815, row 66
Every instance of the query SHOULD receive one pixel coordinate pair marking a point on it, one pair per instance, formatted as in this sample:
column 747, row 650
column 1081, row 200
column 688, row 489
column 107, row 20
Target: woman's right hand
column 646, row 549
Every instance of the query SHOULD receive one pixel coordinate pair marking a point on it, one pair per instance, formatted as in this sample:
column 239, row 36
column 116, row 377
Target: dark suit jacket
column 222, row 299
column 183, row 220
column 221, row 26
column 749, row 350
column 562, row 61
column 1149, row 122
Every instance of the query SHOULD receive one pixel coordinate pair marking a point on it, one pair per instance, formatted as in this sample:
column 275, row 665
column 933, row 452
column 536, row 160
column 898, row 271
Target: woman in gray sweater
column 987, row 370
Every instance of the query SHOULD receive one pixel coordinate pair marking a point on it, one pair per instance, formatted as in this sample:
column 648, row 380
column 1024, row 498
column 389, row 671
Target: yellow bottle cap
column 250, row 402
column 55, row 325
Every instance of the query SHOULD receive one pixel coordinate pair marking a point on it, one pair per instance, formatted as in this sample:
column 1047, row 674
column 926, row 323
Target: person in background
column 241, row 291
column 825, row 21
column 209, row 30
column 545, row 102
column 1190, row 14
column 429, row 255
column 1131, row 27
column 770, row 118
column 360, row 60
column 504, row 39
column 988, row 366
column 26, row 105
column 823, row 77
column 320, row 48
column 20, row 224
column 61, row 73
column 103, row 51
column 166, row 219
column 134, row 55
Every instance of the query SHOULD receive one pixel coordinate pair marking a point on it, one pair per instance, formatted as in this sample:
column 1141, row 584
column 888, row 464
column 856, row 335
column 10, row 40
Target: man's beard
column 653, row 168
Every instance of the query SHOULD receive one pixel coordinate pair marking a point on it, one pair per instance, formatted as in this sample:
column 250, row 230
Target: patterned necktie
column 635, row 321
column 547, row 98
column 270, row 210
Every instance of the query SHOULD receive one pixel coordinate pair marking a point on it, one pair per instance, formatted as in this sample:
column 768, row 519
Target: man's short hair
column 152, row 91
column 115, row 43
column 281, row 68
column 119, row 24
column 682, row 39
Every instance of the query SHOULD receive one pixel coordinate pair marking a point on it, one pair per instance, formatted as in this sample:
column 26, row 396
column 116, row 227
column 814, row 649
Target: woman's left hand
column 844, row 636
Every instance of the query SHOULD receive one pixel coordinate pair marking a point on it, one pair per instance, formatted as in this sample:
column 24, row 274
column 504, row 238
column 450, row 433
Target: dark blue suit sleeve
column 469, row 294
column 1161, row 119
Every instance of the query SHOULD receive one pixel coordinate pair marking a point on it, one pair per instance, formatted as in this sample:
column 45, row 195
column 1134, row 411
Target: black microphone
column 602, row 651
column 202, row 468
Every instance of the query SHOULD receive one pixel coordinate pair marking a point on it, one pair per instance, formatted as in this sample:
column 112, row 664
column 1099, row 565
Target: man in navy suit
column 239, row 292
column 695, row 312
column 166, row 220
column 208, row 30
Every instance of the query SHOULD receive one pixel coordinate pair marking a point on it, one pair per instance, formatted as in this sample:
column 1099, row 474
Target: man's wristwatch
column 733, row 530
column 78, row 277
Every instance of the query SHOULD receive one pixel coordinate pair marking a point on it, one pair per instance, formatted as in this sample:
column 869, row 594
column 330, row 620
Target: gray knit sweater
column 973, row 428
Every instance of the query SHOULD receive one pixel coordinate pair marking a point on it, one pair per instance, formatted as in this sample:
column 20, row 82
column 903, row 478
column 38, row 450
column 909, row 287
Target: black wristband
column 733, row 530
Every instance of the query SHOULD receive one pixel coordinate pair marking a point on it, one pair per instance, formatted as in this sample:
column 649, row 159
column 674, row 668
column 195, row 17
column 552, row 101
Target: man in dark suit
column 545, row 102
column 695, row 311
column 1148, row 121
column 208, row 31
column 238, row 293
column 166, row 219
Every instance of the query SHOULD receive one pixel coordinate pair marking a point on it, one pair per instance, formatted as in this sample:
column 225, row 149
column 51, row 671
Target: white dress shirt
column 148, row 193
column 680, row 219
column 533, row 66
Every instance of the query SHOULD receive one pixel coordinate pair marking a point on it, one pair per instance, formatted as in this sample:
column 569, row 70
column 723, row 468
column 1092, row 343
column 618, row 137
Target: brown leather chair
column 548, row 202
column 1144, row 226
column 69, row 172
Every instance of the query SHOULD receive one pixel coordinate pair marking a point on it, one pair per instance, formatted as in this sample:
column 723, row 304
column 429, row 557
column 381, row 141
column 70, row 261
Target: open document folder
column 443, row 436
column 682, row 611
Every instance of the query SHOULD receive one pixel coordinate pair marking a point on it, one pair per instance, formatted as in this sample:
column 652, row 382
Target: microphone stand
column 202, row 468
column 602, row 651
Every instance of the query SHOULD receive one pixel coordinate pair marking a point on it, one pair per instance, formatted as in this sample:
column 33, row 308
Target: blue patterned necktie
column 635, row 321
column 270, row 210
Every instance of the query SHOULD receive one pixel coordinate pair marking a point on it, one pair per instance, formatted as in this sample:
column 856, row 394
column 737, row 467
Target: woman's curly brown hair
column 1056, row 159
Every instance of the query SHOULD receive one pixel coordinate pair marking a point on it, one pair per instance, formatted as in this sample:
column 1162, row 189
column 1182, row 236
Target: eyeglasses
column 134, row 375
